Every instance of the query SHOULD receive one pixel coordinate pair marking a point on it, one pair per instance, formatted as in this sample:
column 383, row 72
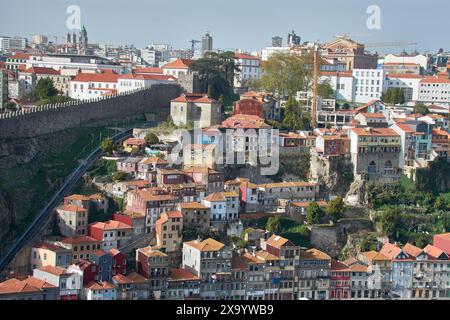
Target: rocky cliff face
column 30, row 170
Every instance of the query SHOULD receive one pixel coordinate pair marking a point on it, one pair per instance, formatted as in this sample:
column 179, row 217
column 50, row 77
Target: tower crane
column 193, row 42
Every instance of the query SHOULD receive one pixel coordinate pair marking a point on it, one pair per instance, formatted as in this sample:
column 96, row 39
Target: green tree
column 45, row 89
column 273, row 225
column 314, row 214
column 107, row 146
column 421, row 108
column 294, row 115
column 119, row 176
column 393, row 96
column 325, row 91
column 335, row 208
column 284, row 74
column 151, row 138
column 216, row 72
column 390, row 222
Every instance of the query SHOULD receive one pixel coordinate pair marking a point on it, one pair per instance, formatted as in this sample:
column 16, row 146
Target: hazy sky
column 245, row 24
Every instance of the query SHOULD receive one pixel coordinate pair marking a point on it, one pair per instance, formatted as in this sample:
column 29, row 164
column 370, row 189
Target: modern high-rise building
column 277, row 41
column 40, row 39
column 15, row 43
column 207, row 43
column 293, row 39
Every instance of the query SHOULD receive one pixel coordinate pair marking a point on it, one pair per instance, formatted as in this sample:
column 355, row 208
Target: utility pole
column 315, row 87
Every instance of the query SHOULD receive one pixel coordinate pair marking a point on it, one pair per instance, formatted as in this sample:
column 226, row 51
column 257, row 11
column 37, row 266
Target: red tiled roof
column 194, row 97
column 375, row 132
column 245, row 56
column 404, row 76
column 53, row 270
column 104, row 285
column 42, row 70
column 135, row 141
column 80, row 239
column 178, row 64
column 110, row 225
column 390, row 250
column 110, row 77
column 149, row 70
column 72, row 208
column 49, row 246
column 181, row 274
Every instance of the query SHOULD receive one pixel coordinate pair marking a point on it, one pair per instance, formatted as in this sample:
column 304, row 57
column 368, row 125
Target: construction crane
column 390, row 44
column 315, row 87
column 193, row 42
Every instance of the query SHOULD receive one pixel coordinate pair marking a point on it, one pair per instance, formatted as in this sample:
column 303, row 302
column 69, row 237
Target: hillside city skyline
column 152, row 19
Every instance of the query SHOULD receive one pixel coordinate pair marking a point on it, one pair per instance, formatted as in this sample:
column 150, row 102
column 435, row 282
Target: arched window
column 388, row 168
column 372, row 167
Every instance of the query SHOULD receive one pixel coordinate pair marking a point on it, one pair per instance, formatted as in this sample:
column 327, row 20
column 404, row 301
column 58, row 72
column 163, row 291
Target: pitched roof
column 135, row 141
column 277, row 241
column 246, row 56
column 178, row 64
column 292, row 184
column 181, row 274
column 79, row 239
column 244, row 121
column 77, row 197
column 192, row 205
column 339, row 266
column 151, row 252
column 314, row 254
column 206, row 245
column 16, row 286
column 412, row 250
column 390, row 250
column 49, row 246
column 149, row 70
column 42, row 70
column 72, row 208
column 110, row 77
column 194, row 97
column 110, row 225
column 103, row 285
column 434, row 252
column 53, row 270
column 385, row 132
column 374, row 256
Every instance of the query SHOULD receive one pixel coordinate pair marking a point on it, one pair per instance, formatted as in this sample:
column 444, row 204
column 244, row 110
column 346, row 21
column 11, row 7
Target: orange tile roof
column 110, row 77
column 72, row 208
column 405, row 76
column 181, row 274
column 314, row 254
column 390, row 250
column 372, row 115
column 192, row 205
column 244, row 121
column 433, row 251
column 206, row 245
column 80, row 239
column 178, row 64
column 339, row 266
column 16, row 286
column 42, row 70
column 246, row 56
column 156, row 160
column 151, row 252
column 174, row 214
column 104, row 285
column 266, row 256
column 435, row 80
column 53, row 270
column 194, row 97
column 49, row 246
column 374, row 256
column 110, row 225
column 276, row 241
column 385, row 132
column 149, row 70
column 358, row 267
column 412, row 250
column 77, row 197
